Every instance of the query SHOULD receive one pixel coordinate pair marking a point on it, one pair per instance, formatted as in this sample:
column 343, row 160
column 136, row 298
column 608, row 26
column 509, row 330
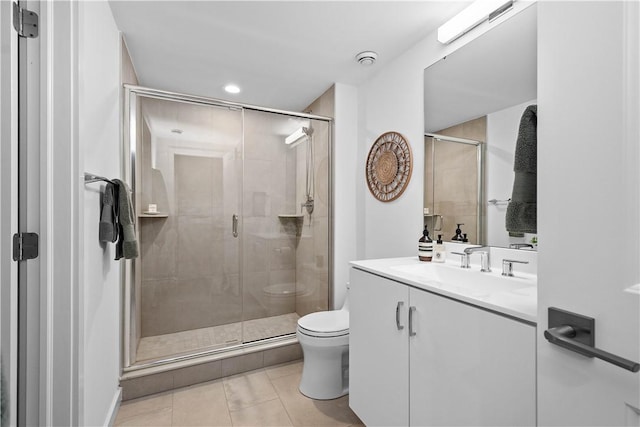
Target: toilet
column 324, row 338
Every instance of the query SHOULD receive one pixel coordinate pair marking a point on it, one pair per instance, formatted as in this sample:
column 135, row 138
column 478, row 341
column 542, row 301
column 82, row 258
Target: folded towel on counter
column 521, row 215
column 127, row 245
column 108, row 228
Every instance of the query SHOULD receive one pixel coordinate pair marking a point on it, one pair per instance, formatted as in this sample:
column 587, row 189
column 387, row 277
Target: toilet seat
column 325, row 324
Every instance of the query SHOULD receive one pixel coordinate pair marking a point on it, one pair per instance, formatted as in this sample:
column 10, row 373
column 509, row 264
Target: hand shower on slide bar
column 310, row 185
column 294, row 139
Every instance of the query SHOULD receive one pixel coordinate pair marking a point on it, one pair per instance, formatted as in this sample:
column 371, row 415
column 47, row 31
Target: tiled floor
column 159, row 346
column 264, row 397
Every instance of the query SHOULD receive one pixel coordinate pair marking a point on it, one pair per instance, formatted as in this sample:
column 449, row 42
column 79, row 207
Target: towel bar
column 498, row 202
column 90, row 177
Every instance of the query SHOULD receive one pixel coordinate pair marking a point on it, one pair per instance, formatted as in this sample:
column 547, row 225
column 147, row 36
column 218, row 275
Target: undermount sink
column 470, row 281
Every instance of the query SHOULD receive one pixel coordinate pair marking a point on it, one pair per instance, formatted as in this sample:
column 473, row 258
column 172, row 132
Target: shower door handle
column 234, row 225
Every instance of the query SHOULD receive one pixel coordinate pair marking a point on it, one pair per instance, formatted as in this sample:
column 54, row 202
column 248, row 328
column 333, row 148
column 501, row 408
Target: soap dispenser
column 425, row 246
column 458, row 237
column 439, row 251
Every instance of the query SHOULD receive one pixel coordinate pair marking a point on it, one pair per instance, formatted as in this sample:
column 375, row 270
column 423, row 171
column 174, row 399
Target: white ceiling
column 283, row 54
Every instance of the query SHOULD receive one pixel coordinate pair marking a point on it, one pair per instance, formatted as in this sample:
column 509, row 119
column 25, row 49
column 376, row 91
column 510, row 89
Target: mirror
column 473, row 102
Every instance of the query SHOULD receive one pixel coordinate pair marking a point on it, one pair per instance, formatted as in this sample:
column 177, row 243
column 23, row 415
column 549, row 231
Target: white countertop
column 519, row 302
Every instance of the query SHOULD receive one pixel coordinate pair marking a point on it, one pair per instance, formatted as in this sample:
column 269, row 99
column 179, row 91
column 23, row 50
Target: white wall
column 345, row 218
column 502, row 133
column 393, row 100
column 99, row 136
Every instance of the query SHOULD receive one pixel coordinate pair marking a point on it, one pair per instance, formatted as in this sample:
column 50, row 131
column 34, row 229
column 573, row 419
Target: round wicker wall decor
column 389, row 166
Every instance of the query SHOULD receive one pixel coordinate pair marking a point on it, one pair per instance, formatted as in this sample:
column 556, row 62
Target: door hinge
column 25, row 22
column 25, row 246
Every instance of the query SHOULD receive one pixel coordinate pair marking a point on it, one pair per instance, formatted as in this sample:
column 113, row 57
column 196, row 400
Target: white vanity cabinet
column 456, row 364
column 378, row 350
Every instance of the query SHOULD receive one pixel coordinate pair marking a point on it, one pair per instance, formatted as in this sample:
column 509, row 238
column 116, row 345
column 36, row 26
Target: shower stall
column 233, row 206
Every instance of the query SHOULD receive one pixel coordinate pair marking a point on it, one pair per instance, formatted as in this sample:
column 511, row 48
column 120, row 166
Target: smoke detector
column 367, row 57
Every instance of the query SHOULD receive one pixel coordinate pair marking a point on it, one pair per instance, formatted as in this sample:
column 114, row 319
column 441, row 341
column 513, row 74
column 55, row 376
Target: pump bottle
column 439, row 251
column 425, row 246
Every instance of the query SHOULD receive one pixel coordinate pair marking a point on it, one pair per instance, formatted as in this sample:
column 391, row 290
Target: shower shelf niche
column 153, row 215
column 292, row 223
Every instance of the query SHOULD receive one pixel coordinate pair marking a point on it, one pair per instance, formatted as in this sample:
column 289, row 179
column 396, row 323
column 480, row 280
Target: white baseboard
column 113, row 408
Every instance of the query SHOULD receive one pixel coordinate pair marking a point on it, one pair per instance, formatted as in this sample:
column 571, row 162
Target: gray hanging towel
column 108, row 229
column 127, row 245
column 521, row 215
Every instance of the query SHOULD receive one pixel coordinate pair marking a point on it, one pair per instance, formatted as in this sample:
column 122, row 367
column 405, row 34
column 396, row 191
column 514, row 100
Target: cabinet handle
column 398, row 325
column 412, row 310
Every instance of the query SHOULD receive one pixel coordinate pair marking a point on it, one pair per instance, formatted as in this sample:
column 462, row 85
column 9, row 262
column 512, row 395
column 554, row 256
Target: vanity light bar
column 478, row 12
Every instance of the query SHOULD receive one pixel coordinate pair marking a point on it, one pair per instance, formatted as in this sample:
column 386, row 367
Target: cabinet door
column 469, row 366
column 378, row 350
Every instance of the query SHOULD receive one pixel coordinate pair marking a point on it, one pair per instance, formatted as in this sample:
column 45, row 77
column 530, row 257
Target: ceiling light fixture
column 231, row 88
column 478, row 12
column 367, row 57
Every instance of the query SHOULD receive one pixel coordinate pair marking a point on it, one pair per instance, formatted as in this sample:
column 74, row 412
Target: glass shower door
column 285, row 222
column 188, row 187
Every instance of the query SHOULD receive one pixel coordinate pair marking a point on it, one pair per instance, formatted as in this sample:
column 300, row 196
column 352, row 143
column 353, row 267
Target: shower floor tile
column 160, row 346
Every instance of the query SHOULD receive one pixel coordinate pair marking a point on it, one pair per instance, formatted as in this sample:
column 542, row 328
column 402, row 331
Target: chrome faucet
column 485, row 264
column 464, row 260
column 507, row 266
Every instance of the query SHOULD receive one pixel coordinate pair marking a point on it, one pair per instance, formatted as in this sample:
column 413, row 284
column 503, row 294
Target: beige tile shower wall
column 143, row 180
column 312, row 255
column 184, row 284
column 456, row 179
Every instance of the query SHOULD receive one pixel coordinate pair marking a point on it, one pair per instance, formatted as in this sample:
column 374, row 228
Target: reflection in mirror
column 454, row 193
column 479, row 92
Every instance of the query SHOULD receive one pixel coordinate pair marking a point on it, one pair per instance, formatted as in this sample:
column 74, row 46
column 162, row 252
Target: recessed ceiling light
column 178, row 131
column 367, row 57
column 231, row 88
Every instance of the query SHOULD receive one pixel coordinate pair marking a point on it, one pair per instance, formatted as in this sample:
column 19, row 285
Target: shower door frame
column 128, row 172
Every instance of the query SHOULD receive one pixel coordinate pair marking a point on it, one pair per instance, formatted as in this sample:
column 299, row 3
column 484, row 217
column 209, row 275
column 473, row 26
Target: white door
column 8, row 213
column 588, row 206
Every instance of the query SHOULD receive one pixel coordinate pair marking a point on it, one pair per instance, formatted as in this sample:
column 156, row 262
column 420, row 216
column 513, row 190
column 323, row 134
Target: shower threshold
column 217, row 338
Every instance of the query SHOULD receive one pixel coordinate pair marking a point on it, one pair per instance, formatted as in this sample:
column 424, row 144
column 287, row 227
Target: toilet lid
column 334, row 322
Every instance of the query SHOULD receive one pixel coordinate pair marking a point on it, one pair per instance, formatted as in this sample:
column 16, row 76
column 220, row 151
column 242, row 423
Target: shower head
column 297, row 137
